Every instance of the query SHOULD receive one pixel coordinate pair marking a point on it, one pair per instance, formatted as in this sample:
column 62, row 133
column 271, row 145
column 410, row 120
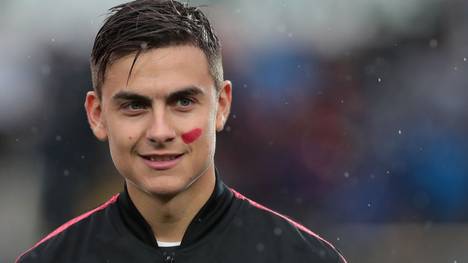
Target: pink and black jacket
column 228, row 229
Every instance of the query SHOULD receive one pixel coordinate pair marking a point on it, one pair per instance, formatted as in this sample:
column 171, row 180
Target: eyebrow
column 190, row 91
column 132, row 96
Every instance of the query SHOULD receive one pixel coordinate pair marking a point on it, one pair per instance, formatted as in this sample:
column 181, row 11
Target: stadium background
column 350, row 116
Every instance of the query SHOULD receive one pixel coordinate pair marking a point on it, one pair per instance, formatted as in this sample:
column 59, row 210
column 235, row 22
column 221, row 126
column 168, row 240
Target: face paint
column 192, row 135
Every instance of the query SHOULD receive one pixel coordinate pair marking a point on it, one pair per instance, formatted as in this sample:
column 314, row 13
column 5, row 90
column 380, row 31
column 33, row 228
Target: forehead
column 159, row 71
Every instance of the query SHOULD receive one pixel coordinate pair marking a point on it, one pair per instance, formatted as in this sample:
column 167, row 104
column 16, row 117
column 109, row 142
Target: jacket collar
column 204, row 221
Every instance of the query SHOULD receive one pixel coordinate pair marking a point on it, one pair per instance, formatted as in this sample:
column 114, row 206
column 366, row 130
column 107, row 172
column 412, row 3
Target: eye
column 184, row 102
column 133, row 106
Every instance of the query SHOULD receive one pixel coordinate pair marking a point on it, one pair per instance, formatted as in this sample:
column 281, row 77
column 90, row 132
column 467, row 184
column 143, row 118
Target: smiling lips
column 168, row 160
column 161, row 161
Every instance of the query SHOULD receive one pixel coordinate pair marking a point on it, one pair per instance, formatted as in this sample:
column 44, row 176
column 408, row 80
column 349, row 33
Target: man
column 159, row 98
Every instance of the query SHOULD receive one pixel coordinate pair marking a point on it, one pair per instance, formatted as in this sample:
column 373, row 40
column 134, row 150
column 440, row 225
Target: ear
column 94, row 113
column 224, row 104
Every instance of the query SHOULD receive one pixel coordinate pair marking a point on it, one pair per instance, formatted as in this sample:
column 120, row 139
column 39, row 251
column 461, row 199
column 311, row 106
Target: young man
column 159, row 98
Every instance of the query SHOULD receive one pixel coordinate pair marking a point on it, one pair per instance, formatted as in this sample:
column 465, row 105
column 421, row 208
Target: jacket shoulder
column 291, row 237
column 70, row 235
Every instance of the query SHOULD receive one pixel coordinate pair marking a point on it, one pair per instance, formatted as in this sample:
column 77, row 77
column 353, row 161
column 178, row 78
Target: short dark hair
column 139, row 25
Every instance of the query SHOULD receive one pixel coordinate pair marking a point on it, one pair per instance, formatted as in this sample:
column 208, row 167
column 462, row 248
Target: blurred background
column 350, row 116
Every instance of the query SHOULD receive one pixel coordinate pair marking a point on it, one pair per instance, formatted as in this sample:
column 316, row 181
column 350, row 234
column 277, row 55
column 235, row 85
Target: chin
column 165, row 186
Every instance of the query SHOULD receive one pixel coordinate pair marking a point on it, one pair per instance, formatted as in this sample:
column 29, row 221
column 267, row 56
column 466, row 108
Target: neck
column 169, row 217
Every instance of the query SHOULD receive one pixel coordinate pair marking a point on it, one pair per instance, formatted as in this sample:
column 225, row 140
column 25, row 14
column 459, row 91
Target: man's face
column 161, row 127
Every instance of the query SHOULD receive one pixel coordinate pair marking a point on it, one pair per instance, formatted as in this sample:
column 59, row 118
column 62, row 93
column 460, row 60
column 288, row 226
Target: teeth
column 162, row 158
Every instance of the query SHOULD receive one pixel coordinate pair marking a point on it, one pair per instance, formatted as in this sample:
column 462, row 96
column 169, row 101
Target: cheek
column 123, row 137
column 191, row 136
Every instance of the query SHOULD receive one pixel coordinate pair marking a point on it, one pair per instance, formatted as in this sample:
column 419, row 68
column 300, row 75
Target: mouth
column 161, row 161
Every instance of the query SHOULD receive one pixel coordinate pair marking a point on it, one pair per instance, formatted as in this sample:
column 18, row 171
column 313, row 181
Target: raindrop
column 260, row 247
column 399, row 132
column 228, row 128
column 421, row 200
column 369, row 204
column 17, row 139
column 281, row 28
column 464, row 59
column 82, row 157
column 433, row 43
column 427, row 225
column 346, row 174
column 52, row 40
column 245, row 86
column 234, row 116
column 278, row 231
column 66, row 172
column 58, row 138
column 379, row 80
column 45, row 69
column 238, row 222
column 299, row 200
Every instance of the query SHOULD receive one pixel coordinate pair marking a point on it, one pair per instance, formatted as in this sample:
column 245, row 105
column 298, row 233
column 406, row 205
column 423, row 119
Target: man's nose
column 160, row 130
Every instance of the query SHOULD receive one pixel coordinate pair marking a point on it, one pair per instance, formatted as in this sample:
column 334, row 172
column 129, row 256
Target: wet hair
column 137, row 26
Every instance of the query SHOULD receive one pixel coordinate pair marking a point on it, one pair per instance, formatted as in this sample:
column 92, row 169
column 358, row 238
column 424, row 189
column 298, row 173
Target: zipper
column 169, row 257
